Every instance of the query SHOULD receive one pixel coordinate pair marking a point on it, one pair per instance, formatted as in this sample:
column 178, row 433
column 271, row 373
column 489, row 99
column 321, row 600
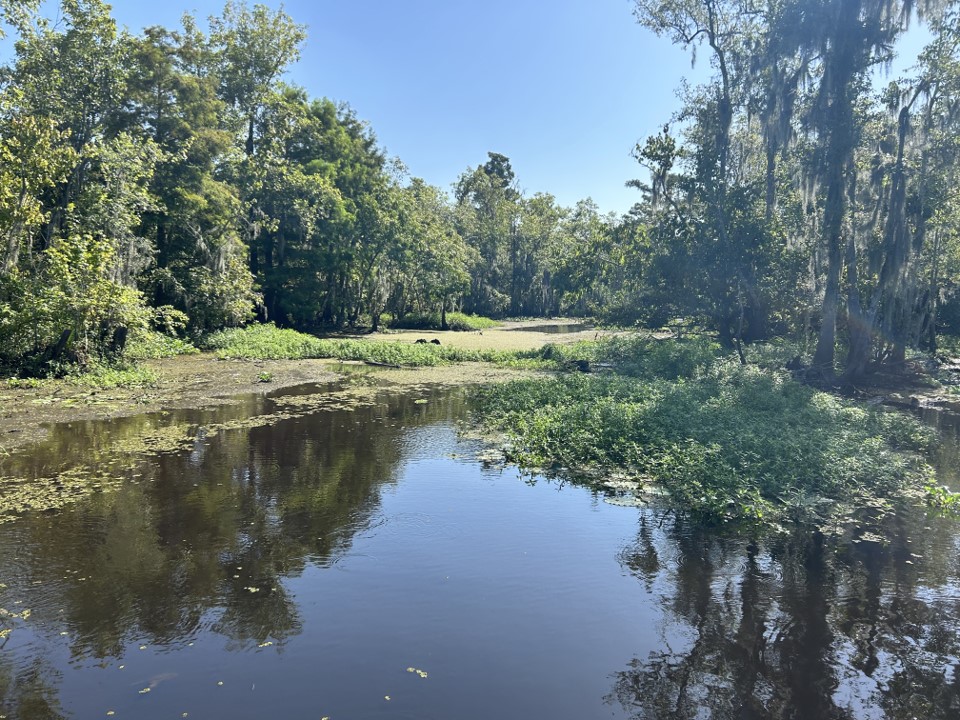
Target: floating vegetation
column 729, row 444
column 7, row 616
column 19, row 495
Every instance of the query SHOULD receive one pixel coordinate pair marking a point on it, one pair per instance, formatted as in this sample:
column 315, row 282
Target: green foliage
column 17, row 383
column 153, row 345
column 431, row 321
column 728, row 442
column 111, row 375
column 943, row 499
column 267, row 342
column 161, row 339
column 638, row 355
column 72, row 302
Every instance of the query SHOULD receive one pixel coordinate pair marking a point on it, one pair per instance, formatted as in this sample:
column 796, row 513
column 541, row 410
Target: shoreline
column 203, row 380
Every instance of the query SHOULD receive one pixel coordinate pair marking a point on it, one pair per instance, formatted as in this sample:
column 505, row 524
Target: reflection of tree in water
column 804, row 627
column 30, row 691
column 204, row 539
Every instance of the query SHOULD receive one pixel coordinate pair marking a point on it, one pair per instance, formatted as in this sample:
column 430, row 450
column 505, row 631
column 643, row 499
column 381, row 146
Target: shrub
column 70, row 311
column 728, row 442
column 431, row 321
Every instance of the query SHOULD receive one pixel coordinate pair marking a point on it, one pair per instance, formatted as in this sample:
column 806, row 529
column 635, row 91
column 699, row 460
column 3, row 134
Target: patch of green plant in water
column 726, row 442
column 112, row 375
column 152, row 345
column 267, row 342
column 944, row 500
column 20, row 495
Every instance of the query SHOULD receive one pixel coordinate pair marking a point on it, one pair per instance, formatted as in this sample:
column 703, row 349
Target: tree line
column 792, row 195
column 173, row 181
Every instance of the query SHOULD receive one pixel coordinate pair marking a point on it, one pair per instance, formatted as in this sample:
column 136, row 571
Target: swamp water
column 286, row 557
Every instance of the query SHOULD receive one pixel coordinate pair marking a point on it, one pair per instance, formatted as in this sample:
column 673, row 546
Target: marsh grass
column 268, row 342
column 727, row 442
column 112, row 375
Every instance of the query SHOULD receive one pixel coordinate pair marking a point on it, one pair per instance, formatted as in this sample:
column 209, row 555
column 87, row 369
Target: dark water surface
column 554, row 328
column 302, row 569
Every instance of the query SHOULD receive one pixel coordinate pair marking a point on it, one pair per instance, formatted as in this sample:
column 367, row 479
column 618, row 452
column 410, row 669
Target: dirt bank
column 203, row 380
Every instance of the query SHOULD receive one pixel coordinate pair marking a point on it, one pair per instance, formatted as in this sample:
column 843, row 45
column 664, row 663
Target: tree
column 487, row 218
column 255, row 47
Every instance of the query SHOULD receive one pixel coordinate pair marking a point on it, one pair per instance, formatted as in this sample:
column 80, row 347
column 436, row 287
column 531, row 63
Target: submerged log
column 380, row 364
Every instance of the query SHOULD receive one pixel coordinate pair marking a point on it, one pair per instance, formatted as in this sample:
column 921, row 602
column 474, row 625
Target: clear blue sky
column 564, row 89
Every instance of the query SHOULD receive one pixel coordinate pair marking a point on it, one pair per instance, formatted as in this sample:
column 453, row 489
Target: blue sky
column 564, row 89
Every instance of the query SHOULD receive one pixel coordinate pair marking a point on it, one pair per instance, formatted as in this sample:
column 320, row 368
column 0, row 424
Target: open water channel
column 348, row 561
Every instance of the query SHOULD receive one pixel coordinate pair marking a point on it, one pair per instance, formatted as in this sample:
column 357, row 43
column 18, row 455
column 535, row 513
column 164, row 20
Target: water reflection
column 194, row 542
column 799, row 626
column 554, row 328
column 298, row 568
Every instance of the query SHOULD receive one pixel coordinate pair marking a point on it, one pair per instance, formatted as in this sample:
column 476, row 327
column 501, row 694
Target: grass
column 105, row 376
column 728, row 443
column 153, row 345
column 431, row 321
column 267, row 342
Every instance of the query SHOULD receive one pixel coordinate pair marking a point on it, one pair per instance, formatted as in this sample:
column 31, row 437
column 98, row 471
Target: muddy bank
column 185, row 381
column 198, row 381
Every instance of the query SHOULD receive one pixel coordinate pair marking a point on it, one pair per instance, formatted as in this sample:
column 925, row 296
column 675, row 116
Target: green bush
column 160, row 340
column 637, row 355
column 728, row 442
column 69, row 311
column 431, row 321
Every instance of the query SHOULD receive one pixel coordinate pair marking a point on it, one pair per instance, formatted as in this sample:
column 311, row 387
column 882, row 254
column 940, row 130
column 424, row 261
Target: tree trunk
column 837, row 122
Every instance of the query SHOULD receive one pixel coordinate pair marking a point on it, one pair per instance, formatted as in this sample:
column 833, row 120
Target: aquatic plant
column 269, row 342
column 727, row 442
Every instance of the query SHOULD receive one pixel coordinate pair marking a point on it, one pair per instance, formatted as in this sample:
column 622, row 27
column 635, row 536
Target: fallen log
column 380, row 364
